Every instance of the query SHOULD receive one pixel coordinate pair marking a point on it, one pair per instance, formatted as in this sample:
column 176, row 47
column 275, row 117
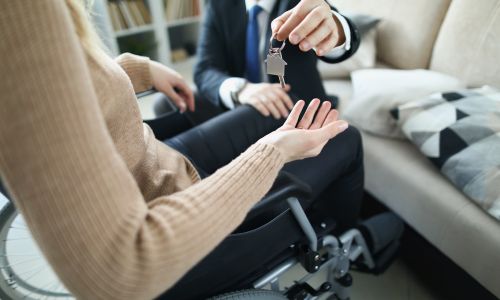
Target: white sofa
column 460, row 38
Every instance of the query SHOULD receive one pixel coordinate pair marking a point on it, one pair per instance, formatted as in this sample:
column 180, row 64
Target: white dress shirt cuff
column 346, row 46
column 225, row 90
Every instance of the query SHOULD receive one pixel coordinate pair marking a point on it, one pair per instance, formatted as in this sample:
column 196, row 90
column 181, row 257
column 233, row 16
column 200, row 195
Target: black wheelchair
column 276, row 253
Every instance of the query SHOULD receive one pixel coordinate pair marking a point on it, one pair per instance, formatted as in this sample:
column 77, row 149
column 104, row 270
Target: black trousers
column 335, row 176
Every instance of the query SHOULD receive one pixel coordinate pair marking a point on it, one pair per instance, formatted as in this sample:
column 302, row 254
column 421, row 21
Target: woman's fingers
column 331, row 117
column 294, row 115
column 187, row 94
column 321, row 115
column 308, row 117
column 329, row 131
column 178, row 101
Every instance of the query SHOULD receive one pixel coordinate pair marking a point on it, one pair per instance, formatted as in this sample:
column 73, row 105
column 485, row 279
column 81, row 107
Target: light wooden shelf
column 183, row 21
column 159, row 29
column 134, row 30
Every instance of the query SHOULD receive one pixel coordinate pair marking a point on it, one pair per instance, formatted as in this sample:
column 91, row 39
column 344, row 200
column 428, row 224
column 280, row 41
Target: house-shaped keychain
column 275, row 65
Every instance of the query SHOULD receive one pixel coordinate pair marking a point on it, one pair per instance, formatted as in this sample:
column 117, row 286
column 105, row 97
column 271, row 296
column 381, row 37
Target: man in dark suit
column 235, row 40
column 230, row 72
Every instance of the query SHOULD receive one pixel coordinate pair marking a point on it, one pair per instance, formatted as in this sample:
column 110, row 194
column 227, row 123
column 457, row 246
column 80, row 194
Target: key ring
column 271, row 44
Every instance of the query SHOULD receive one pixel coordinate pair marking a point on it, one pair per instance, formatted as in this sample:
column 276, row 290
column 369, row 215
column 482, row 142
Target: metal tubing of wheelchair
column 328, row 240
column 331, row 241
column 354, row 234
column 275, row 273
column 304, row 223
column 356, row 252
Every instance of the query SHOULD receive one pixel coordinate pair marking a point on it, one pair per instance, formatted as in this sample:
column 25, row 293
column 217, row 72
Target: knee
column 354, row 139
column 355, row 143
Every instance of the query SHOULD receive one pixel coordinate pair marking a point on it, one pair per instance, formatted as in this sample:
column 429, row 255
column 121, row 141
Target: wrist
column 236, row 89
column 340, row 30
column 229, row 89
column 274, row 140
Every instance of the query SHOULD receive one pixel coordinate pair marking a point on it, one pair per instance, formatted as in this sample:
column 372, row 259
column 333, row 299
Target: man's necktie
column 252, row 47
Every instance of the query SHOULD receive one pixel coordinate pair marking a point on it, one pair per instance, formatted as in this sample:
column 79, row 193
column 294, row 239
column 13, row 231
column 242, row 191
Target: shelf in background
column 134, row 30
column 183, row 21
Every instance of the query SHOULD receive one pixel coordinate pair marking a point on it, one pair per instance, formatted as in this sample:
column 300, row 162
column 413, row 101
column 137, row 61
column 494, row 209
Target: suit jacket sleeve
column 209, row 70
column 355, row 42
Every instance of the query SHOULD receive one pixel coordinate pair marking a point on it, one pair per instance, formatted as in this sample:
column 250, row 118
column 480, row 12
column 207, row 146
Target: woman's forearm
column 80, row 201
column 137, row 69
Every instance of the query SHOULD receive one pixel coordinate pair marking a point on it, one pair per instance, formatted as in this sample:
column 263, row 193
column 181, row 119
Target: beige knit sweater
column 117, row 213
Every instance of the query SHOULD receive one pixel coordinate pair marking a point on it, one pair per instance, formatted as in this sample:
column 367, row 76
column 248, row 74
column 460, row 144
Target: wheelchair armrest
column 166, row 120
column 285, row 186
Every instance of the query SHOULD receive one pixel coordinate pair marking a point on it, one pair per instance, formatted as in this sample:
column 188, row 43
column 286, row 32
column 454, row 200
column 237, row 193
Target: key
column 275, row 64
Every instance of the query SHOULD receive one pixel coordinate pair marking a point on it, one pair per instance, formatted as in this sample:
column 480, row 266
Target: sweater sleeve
column 74, row 190
column 137, row 69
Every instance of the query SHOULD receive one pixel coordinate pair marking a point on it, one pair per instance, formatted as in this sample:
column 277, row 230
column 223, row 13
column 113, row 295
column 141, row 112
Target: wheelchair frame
column 334, row 255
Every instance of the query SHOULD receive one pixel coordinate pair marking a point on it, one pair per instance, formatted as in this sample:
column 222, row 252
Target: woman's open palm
column 307, row 137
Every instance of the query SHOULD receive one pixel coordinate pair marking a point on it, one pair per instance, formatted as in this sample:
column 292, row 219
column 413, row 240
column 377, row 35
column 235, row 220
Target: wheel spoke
column 17, row 239
column 18, row 263
column 10, row 255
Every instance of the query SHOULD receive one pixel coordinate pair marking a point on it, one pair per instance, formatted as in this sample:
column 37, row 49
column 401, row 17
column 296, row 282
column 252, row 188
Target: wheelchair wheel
column 250, row 295
column 24, row 272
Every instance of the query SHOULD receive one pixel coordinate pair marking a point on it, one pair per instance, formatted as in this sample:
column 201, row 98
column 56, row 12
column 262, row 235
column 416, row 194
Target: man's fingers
column 269, row 104
column 327, row 44
column 307, row 119
column 258, row 105
column 287, row 87
column 316, row 37
column 285, row 99
column 292, row 21
column 278, row 22
column 307, row 25
column 281, row 106
column 321, row 115
column 294, row 115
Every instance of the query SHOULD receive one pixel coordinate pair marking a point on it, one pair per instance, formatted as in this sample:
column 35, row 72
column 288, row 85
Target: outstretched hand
column 307, row 137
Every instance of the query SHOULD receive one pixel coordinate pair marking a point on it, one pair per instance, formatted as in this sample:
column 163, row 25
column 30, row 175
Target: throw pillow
column 363, row 58
column 460, row 133
column 377, row 91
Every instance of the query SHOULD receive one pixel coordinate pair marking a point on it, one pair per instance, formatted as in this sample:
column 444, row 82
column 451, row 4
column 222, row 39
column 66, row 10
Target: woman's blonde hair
column 80, row 13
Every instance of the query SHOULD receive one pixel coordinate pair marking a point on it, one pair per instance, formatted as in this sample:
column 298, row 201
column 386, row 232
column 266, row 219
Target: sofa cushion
column 364, row 58
column 403, row 179
column 408, row 30
column 460, row 133
column 377, row 91
column 468, row 45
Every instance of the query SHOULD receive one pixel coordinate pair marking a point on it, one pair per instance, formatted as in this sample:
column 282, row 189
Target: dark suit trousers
column 335, row 176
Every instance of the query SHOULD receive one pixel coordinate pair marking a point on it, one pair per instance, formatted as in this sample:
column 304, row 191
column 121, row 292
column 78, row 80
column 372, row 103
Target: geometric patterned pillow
column 460, row 133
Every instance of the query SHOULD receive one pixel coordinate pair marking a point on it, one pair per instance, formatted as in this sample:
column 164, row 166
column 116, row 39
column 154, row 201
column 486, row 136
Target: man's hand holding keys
column 311, row 25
